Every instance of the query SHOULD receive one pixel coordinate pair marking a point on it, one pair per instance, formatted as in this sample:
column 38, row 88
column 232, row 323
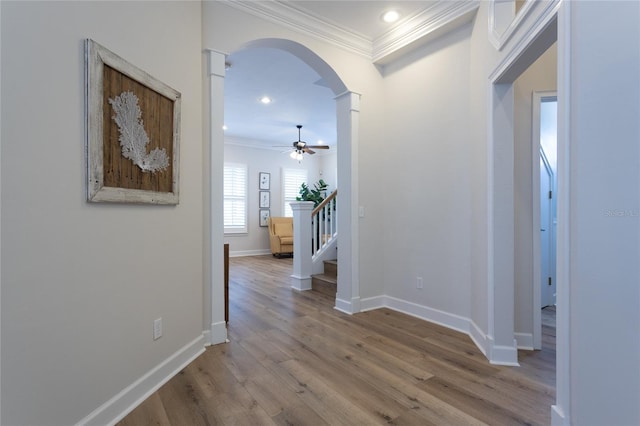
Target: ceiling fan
column 300, row 146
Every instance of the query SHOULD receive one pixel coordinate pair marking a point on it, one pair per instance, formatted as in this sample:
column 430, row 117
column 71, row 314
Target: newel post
column 302, row 263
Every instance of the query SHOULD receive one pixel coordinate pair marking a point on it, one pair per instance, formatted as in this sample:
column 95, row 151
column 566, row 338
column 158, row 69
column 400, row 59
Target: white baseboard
column 218, row 333
column 498, row 355
column 524, row 341
column 133, row 395
column 344, row 306
column 244, row 253
column 206, row 335
column 502, row 354
column 479, row 338
column 300, row 283
column 558, row 418
column 372, row 303
column 445, row 319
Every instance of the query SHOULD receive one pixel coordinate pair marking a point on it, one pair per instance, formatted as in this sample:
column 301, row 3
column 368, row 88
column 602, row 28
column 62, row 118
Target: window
column 235, row 198
column 291, row 181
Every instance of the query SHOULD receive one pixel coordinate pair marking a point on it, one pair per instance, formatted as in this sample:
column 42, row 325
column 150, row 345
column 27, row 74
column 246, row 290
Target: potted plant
column 317, row 194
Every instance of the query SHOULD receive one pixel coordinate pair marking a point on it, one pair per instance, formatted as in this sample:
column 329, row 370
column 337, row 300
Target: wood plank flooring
column 294, row 360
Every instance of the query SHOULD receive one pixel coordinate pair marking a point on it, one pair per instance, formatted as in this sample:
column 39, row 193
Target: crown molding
column 423, row 27
column 288, row 16
column 409, row 33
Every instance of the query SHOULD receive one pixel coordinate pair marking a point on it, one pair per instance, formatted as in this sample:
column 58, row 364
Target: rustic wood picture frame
column 110, row 176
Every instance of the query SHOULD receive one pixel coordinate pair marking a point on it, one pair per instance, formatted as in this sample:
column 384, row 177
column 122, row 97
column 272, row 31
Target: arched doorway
column 347, row 111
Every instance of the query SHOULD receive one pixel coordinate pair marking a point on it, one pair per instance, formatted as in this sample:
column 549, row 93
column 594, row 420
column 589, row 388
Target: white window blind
column 235, row 198
column 291, row 181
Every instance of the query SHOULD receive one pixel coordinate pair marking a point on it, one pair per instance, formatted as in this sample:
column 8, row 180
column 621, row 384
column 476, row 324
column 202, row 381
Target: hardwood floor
column 294, row 360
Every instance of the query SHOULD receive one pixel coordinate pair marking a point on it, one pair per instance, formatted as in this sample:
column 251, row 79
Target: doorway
column 347, row 113
column 548, row 208
column 544, row 155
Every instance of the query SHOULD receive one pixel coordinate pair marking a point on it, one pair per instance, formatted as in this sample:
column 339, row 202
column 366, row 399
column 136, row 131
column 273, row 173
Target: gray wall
column 82, row 283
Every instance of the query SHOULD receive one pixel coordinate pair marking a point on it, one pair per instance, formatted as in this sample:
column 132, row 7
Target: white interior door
column 547, row 235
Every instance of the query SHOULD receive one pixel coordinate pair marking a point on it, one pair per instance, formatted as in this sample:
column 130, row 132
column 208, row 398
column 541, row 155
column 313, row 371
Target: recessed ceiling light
column 224, row 127
column 391, row 16
column 265, row 100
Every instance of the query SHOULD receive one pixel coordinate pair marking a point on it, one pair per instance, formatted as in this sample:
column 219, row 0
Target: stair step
column 331, row 268
column 325, row 284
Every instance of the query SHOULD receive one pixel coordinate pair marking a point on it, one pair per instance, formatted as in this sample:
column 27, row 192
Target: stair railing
column 318, row 227
column 324, row 224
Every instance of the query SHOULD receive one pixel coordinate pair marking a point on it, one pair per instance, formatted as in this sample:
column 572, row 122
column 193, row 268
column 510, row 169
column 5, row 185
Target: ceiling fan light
column 293, row 155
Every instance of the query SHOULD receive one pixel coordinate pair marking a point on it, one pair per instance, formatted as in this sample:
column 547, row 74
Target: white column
column 302, row 263
column 348, row 294
column 213, row 196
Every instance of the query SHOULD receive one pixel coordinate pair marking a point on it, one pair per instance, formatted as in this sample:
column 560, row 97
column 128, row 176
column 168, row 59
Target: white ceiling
column 298, row 93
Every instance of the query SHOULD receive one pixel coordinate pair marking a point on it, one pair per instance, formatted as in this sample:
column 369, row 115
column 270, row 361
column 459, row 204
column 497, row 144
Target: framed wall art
column 133, row 132
column 265, row 199
column 265, row 180
column 264, row 217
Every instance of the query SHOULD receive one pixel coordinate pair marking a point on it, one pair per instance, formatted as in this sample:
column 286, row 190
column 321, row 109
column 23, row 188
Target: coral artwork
column 133, row 138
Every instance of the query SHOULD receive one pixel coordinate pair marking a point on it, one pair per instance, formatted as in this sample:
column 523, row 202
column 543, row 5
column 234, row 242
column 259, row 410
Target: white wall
column 604, row 233
column 256, row 241
column 541, row 75
column 82, row 283
column 426, row 184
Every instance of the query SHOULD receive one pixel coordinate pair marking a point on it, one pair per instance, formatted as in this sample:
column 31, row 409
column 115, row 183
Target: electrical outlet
column 419, row 283
column 157, row 329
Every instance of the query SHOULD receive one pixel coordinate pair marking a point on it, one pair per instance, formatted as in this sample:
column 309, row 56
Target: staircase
column 327, row 282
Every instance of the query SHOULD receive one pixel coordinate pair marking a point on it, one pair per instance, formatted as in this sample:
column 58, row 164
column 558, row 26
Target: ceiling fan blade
column 308, row 151
column 318, row 146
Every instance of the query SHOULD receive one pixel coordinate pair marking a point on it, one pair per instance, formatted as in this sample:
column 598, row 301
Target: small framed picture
column 265, row 199
column 264, row 217
column 265, row 180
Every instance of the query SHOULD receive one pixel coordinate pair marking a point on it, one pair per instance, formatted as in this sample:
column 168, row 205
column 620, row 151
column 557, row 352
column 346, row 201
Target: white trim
column 214, row 196
column 503, row 72
column 501, row 354
column 373, row 303
column 499, row 40
column 535, row 39
column 442, row 17
column 133, row 395
column 206, row 335
column 348, row 288
column 496, row 355
column 300, row 283
column 479, row 338
column 306, row 23
column 218, row 333
column 413, row 31
column 244, row 253
column 436, row 316
column 561, row 411
column 558, row 418
column 344, row 306
column 524, row 341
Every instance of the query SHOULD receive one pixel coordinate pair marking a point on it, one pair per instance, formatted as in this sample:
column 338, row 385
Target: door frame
column 537, row 98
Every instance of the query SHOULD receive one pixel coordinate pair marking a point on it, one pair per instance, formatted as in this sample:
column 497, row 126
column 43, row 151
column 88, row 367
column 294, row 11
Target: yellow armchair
column 281, row 235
